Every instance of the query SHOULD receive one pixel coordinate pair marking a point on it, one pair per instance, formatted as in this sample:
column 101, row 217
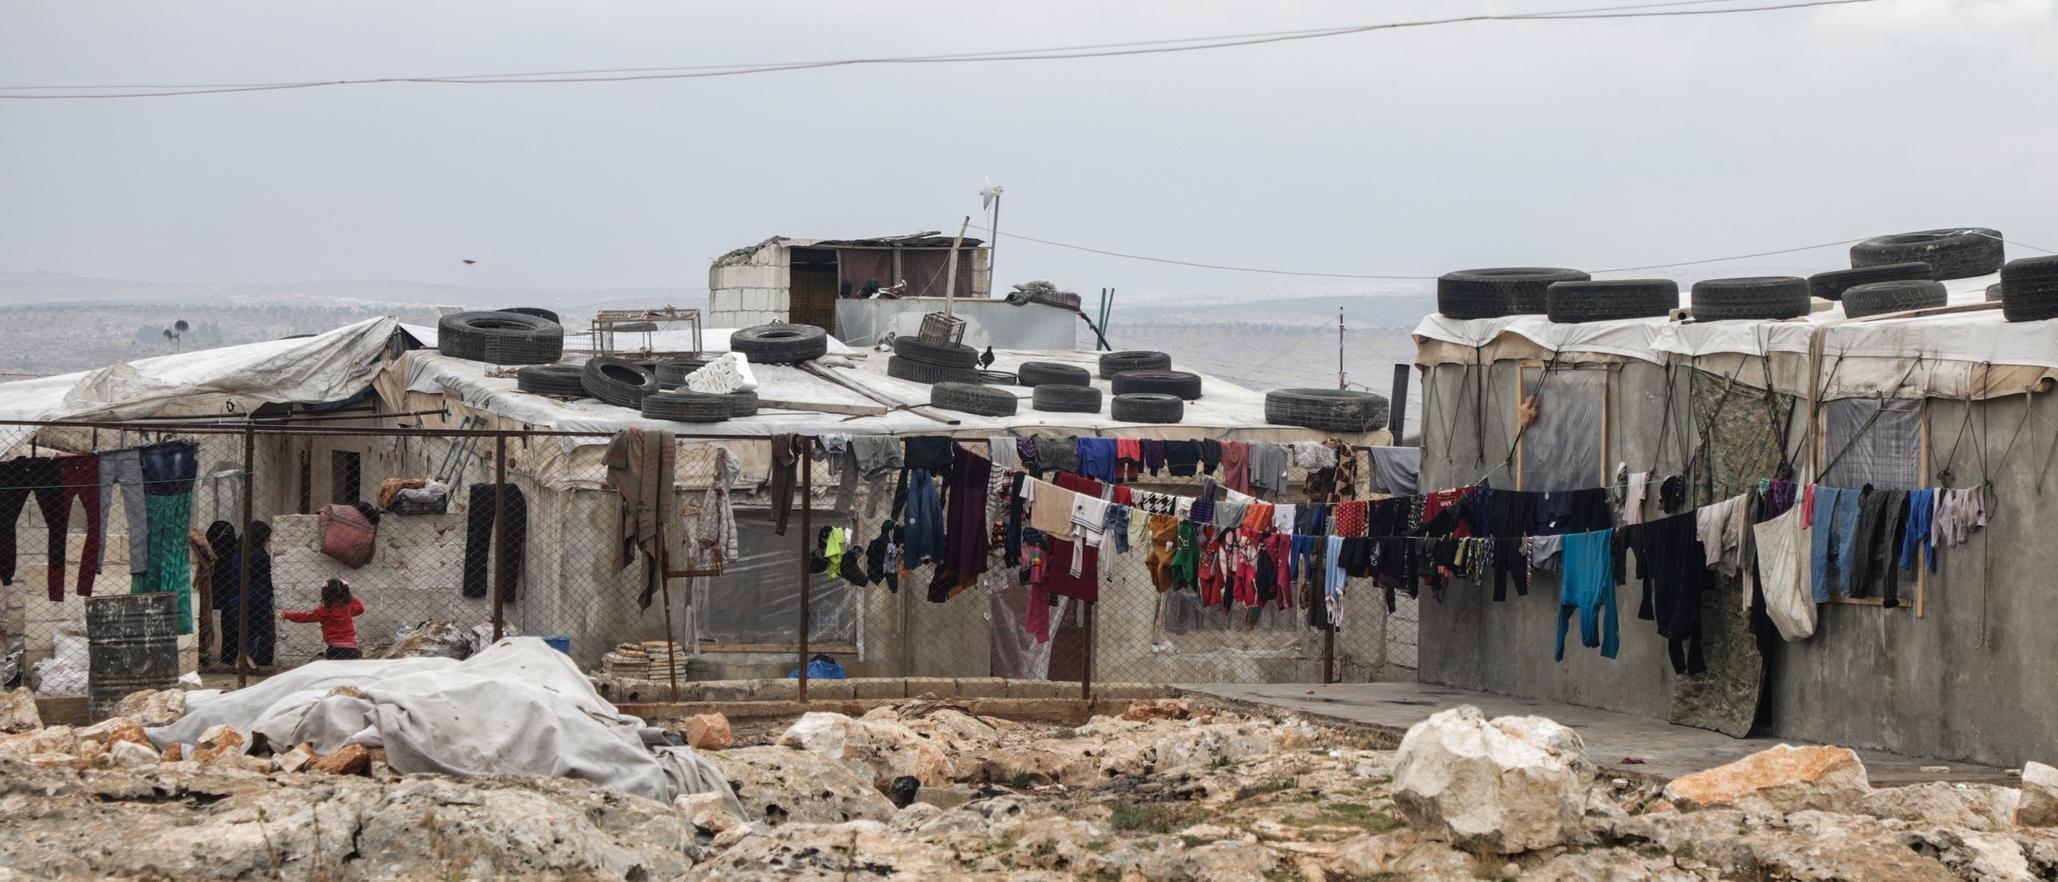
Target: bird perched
column 986, row 358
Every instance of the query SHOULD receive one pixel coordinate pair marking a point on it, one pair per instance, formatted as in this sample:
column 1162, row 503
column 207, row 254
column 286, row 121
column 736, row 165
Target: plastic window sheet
column 1887, row 454
column 1563, row 449
column 1016, row 654
column 756, row 599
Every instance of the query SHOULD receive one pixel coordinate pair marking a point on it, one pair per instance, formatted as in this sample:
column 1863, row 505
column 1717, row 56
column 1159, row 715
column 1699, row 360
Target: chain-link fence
column 271, row 545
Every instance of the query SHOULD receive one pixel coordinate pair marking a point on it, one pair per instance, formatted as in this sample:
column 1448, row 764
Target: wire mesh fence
column 280, row 545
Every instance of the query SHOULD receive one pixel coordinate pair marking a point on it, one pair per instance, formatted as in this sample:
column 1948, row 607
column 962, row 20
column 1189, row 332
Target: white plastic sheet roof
column 1981, row 337
column 1224, row 409
column 307, row 370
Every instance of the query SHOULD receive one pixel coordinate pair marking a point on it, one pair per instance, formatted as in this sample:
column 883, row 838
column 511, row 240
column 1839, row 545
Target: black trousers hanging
column 478, row 540
column 19, row 478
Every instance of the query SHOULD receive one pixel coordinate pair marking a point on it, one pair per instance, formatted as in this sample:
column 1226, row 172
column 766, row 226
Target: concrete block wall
column 755, row 292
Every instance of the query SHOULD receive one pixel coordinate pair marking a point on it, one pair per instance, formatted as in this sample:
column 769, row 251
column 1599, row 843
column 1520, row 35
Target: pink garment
column 1236, row 466
column 1036, row 619
column 1808, row 506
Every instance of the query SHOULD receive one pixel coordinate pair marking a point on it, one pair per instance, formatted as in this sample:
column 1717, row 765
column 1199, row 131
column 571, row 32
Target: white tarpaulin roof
column 303, row 370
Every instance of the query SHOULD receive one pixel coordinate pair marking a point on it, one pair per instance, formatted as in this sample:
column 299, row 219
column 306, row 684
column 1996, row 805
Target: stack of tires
column 617, row 381
column 500, row 337
column 1329, row 410
column 1494, row 292
column 555, row 380
column 1146, row 389
column 1953, row 253
column 920, row 361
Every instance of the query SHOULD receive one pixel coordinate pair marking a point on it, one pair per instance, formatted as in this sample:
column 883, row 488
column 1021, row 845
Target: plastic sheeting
column 1859, row 448
column 756, row 599
column 518, row 708
column 305, row 370
column 1016, row 654
column 1562, row 449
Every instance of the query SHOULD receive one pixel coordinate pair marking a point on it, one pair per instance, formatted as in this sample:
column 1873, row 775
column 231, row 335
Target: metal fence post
column 1092, row 625
column 807, row 531
column 243, row 565
column 499, row 534
column 1329, row 653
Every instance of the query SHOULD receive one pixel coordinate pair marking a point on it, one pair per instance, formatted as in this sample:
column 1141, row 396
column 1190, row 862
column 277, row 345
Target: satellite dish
column 989, row 194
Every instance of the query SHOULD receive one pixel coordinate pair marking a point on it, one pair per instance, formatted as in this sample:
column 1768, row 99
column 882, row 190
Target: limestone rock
column 1214, row 862
column 782, row 785
column 350, row 759
column 1781, row 779
column 1509, row 785
column 1972, row 806
column 1973, row 855
column 294, row 760
column 217, row 744
column 708, row 732
column 54, row 739
column 878, row 750
column 130, row 755
column 174, row 753
column 708, row 812
column 115, row 729
column 1161, row 709
column 153, row 707
column 2039, row 804
column 1208, row 744
column 828, row 853
column 18, row 711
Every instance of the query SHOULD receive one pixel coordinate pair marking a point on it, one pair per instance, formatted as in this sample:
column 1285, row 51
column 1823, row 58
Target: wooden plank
column 908, row 406
column 819, row 407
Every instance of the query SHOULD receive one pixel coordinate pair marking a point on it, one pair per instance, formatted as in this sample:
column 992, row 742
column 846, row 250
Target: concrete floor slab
column 1667, row 751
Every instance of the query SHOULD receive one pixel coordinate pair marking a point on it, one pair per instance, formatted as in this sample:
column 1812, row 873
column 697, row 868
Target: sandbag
column 347, row 535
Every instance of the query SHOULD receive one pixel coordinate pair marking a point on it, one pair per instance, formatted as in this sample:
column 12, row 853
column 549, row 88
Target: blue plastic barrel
column 561, row 644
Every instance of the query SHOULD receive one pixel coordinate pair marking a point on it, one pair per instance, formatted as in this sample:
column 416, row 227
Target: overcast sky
column 1586, row 144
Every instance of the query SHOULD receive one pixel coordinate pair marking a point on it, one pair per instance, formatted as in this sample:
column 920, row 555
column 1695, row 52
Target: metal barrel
column 132, row 643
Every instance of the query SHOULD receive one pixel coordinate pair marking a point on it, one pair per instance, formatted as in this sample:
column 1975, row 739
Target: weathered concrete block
column 878, row 687
column 1129, row 691
column 725, row 690
column 828, row 690
column 1042, row 689
column 776, row 690
column 939, row 687
column 982, row 687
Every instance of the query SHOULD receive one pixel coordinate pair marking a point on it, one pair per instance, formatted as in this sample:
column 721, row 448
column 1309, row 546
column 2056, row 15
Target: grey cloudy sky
column 1588, row 144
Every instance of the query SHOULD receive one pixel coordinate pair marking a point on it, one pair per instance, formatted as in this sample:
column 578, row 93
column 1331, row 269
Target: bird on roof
column 986, row 358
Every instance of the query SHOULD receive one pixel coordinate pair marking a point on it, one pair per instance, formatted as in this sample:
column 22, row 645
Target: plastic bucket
column 561, row 644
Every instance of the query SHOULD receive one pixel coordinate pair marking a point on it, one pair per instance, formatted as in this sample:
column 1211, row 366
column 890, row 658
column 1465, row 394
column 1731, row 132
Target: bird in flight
column 468, row 261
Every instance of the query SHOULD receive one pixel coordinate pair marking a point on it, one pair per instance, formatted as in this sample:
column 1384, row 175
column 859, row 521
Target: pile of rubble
column 928, row 790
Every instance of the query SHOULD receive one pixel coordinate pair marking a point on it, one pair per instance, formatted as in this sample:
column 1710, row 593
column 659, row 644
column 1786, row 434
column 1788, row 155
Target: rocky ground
column 1169, row 791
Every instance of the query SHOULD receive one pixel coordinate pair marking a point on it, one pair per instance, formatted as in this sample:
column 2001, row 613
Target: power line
column 1102, row 50
column 1417, row 278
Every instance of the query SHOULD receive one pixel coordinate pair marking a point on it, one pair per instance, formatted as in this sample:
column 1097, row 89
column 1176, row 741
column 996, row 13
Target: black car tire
column 924, row 372
column 1037, row 373
column 1493, row 292
column 551, row 379
column 1880, row 298
column 1060, row 398
column 1180, row 383
column 2029, row 289
column 1832, row 285
column 1955, row 253
column 741, row 404
column 951, row 355
column 688, row 407
column 672, row 374
column 1147, row 407
column 500, row 338
column 1112, row 363
column 1607, row 300
column 1766, row 298
column 617, row 381
column 780, row 343
column 974, row 399
column 1331, row 410
column 536, row 311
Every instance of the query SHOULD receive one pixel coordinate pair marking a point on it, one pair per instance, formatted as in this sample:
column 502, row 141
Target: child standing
column 335, row 614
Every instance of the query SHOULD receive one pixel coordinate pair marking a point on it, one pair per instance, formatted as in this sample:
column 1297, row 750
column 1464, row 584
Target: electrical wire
column 1105, row 50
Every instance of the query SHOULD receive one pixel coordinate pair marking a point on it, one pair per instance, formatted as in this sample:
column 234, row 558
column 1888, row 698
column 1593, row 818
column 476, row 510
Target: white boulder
column 1507, row 785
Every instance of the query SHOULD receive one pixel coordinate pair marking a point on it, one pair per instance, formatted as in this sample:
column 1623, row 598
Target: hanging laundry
column 1672, row 494
column 877, row 457
column 1204, row 503
column 1333, row 582
column 1153, row 455
column 1057, row 454
column 1832, row 541
column 1783, row 561
column 1572, row 511
column 1634, row 490
column 1915, row 536
column 1775, row 497
column 169, row 469
column 1026, row 450
column 1096, row 458
column 1881, row 516
column 1543, row 552
column 479, row 540
column 1283, row 518
column 1396, row 471
column 1210, row 455
column 1268, row 469
column 1082, row 548
column 1182, row 458
column 1236, row 466
column 1164, row 544
column 1720, row 528
column 1349, row 517
column 1588, row 590
column 1958, row 513
column 966, row 536
column 80, row 477
column 1003, row 452
column 924, row 523
column 118, row 468
column 1314, row 457
column 1128, row 459
column 1671, row 564
column 930, row 452
column 19, row 479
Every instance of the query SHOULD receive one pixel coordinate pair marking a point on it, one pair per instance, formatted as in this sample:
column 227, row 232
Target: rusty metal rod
column 499, row 534
column 807, row 531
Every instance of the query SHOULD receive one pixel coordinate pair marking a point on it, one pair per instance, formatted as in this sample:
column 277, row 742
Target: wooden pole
column 807, row 533
column 1339, row 348
column 950, row 281
column 992, row 245
column 243, row 566
column 664, row 580
column 1092, row 626
column 499, row 534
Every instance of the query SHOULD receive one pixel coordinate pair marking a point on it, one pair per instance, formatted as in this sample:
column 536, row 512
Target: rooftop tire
column 741, row 404
column 780, row 343
column 617, row 381
column 561, row 380
column 974, row 399
column 1112, row 363
column 1497, row 291
column 1880, row 298
column 1765, row 298
column 1038, row 373
column 1330, row 410
column 1147, row 407
column 672, row 374
column 1060, row 398
column 688, row 407
column 998, row 378
column 1955, row 253
column 500, row 338
column 1608, row 300
column 1832, row 285
column 924, row 372
column 1180, row 383
column 536, row 311
column 950, row 355
column 2029, row 289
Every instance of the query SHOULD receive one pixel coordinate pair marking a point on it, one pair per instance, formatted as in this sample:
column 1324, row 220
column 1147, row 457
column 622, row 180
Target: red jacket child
column 335, row 615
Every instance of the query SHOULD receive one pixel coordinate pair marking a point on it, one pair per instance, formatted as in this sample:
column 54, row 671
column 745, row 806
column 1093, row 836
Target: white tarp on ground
column 304, row 370
column 517, row 708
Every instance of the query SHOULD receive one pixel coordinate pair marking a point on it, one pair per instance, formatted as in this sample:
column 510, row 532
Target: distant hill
column 34, row 287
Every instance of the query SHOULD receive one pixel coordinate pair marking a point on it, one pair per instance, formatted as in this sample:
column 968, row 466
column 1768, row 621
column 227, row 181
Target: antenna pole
column 993, row 245
column 1339, row 348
